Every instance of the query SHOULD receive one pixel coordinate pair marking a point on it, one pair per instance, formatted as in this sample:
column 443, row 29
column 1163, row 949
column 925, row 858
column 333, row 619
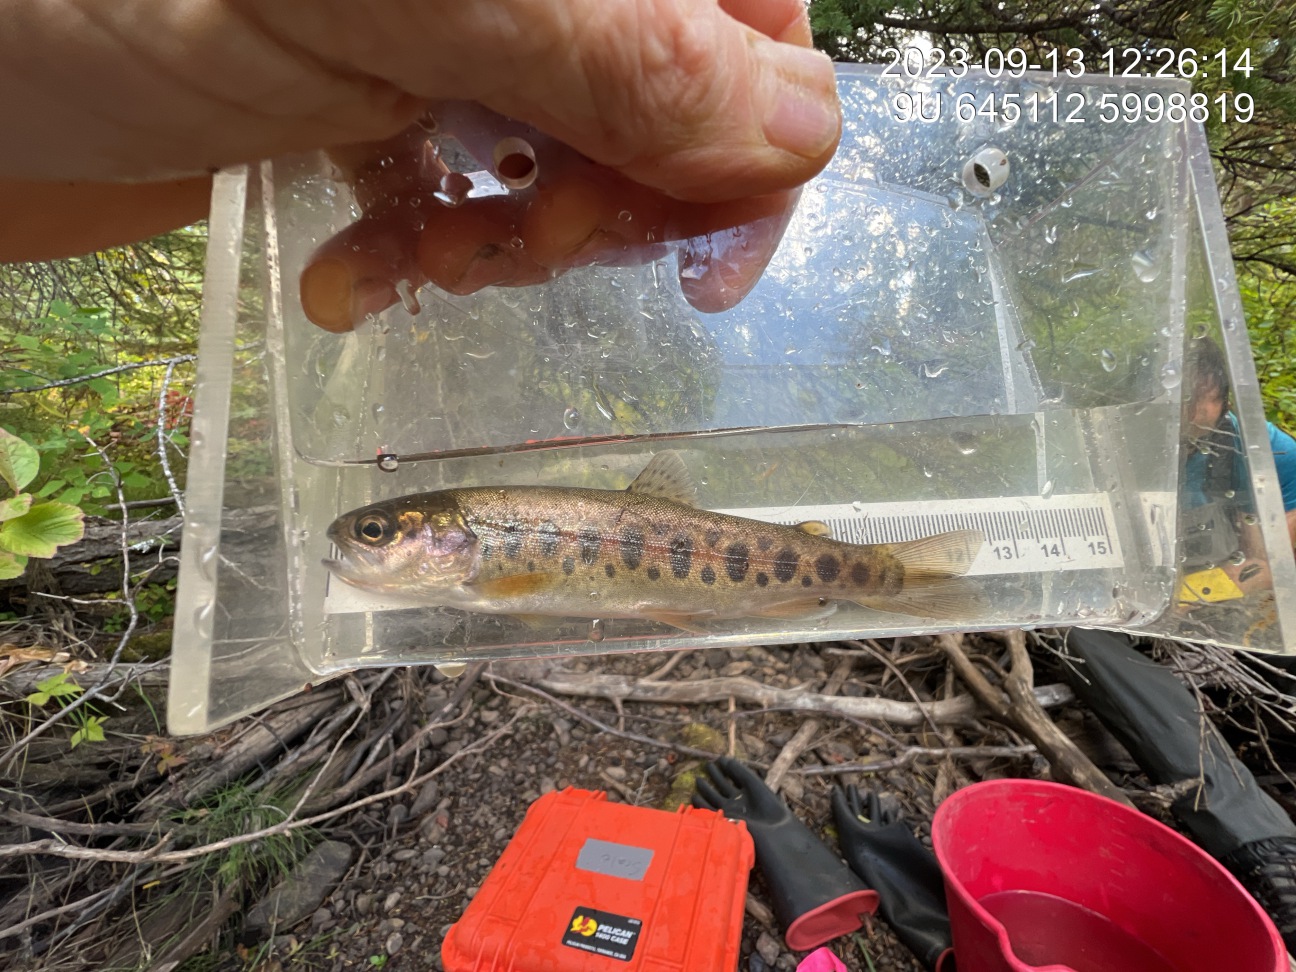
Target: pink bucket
column 1041, row 876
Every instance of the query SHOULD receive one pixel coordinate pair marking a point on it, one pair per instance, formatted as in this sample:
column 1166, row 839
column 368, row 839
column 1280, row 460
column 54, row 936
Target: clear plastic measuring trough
column 926, row 351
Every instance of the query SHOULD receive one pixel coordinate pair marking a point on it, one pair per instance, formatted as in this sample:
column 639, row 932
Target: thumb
column 701, row 99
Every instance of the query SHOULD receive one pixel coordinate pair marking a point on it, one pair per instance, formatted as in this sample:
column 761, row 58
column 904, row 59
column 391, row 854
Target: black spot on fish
column 590, row 542
column 785, row 564
column 827, row 567
column 681, row 555
column 653, row 573
column 860, row 573
column 659, row 528
column 549, row 535
column 514, row 538
column 632, row 547
column 712, row 537
column 764, row 543
column 736, row 562
column 609, row 570
column 569, row 565
column 762, row 579
column 806, row 581
column 707, row 575
column 530, row 566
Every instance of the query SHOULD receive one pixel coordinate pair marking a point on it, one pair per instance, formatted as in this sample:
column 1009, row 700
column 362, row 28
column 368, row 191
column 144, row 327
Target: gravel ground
column 422, row 861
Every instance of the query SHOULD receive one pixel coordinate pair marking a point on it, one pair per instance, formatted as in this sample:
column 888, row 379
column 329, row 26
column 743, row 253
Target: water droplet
column 388, row 462
column 934, row 369
column 1237, row 558
column 1146, row 266
column 408, row 300
column 452, row 669
column 1108, row 360
column 1230, row 493
column 207, row 562
column 517, row 243
column 625, row 216
column 341, row 417
column 1047, row 489
column 1079, row 272
column 454, row 189
column 1230, row 324
column 1250, row 519
column 883, row 347
column 377, row 410
column 1151, row 213
column 571, row 419
column 926, row 472
column 1200, row 332
column 428, row 122
column 857, row 506
column 964, row 442
column 203, row 619
column 1170, row 376
column 597, row 630
column 1050, row 234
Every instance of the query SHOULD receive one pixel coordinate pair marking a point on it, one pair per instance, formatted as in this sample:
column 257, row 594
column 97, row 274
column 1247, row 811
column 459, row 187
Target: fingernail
column 798, row 93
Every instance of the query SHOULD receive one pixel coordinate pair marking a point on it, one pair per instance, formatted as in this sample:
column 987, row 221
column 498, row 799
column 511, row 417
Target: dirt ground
column 418, row 782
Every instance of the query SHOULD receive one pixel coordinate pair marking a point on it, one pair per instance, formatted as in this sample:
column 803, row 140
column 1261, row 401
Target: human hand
column 705, row 102
column 562, row 210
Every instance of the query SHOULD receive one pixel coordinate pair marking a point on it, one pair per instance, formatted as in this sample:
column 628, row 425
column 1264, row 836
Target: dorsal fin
column 666, row 477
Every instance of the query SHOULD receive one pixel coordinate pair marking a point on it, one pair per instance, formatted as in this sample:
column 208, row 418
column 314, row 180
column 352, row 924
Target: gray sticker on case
column 614, row 860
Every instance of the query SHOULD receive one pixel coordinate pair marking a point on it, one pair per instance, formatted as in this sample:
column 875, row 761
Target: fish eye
column 373, row 528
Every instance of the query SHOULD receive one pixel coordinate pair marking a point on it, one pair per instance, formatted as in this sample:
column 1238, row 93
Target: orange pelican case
column 591, row 886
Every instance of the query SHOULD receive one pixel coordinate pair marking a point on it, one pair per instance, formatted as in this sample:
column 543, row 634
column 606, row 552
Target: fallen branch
column 1019, row 707
column 806, row 732
column 947, row 711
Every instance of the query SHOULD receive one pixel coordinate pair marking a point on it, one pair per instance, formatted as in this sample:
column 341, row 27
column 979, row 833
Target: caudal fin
column 938, row 558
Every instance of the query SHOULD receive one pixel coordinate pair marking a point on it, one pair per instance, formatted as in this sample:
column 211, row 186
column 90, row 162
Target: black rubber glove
column 816, row 896
column 882, row 850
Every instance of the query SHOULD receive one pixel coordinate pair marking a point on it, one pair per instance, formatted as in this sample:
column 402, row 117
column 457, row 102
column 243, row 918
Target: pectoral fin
column 517, row 585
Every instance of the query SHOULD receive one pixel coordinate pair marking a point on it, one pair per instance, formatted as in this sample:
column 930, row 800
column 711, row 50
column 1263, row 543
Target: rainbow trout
column 642, row 552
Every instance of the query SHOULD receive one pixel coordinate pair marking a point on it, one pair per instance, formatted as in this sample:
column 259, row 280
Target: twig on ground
column 946, row 712
column 157, row 853
column 806, row 732
column 604, row 727
column 912, row 754
column 1021, row 708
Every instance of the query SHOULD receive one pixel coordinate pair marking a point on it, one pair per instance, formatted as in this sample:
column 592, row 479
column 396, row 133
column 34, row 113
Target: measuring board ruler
column 1024, row 534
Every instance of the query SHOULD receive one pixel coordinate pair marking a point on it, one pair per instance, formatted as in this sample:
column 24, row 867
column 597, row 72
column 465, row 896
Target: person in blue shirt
column 1215, row 494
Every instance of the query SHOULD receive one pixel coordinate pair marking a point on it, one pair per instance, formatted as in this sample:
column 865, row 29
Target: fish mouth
column 341, row 570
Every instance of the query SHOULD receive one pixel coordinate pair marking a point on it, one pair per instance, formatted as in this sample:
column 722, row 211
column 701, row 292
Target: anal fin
column 946, row 600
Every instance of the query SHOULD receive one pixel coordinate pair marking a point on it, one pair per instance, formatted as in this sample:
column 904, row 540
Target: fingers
column 706, row 796
column 700, row 100
column 51, row 220
column 722, row 777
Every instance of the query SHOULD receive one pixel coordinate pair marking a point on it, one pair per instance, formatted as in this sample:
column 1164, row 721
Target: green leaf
column 42, row 530
column 11, row 565
column 92, row 731
column 54, row 687
column 50, row 488
column 103, row 387
column 15, row 506
column 19, row 462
